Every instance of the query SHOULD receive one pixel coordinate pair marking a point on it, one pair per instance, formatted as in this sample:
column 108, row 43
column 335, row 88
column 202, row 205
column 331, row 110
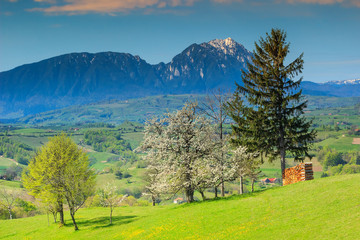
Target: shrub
column 350, row 168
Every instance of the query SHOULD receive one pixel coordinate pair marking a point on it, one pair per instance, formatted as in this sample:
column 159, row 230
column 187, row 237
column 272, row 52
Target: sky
column 326, row 31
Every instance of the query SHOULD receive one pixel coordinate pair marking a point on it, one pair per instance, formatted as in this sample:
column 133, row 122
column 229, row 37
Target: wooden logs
column 301, row 172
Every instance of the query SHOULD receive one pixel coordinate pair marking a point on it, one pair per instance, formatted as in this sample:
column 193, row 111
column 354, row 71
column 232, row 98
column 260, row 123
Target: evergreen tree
column 268, row 108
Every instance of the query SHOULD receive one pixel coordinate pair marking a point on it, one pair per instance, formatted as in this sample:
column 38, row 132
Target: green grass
column 134, row 138
column 325, row 208
column 5, row 163
column 10, row 184
column 101, row 158
column 131, row 183
column 340, row 143
column 33, row 141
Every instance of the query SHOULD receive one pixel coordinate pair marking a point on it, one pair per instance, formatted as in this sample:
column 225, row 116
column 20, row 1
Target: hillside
column 325, row 208
column 79, row 78
column 113, row 111
column 140, row 109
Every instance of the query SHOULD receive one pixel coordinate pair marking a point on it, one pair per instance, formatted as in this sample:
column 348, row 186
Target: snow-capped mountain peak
column 228, row 45
column 345, row 82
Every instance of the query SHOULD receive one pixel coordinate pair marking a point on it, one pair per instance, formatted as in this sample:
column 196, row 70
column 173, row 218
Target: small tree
column 244, row 163
column 59, row 171
column 214, row 107
column 8, row 200
column 110, row 198
column 154, row 187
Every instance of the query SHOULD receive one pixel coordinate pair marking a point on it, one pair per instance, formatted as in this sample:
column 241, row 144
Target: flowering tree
column 244, row 164
column 110, row 197
column 178, row 147
column 8, row 200
column 214, row 107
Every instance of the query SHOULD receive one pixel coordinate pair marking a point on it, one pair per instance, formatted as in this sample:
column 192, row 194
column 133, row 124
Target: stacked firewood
column 301, row 172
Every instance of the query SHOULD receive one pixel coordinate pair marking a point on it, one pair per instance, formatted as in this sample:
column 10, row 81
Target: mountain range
column 80, row 78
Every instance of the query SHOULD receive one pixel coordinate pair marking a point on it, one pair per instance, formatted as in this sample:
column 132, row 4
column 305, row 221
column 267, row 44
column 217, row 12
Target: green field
column 325, row 208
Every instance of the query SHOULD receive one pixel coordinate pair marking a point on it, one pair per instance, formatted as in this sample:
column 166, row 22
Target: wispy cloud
column 348, row 3
column 106, row 6
column 115, row 6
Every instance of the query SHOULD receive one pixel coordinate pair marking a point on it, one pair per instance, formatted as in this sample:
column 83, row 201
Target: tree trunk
column 61, row 212
column 111, row 211
column 73, row 219
column 153, row 200
column 202, row 195
column 189, row 195
column 282, row 154
column 241, row 186
column 283, row 166
column 216, row 192
column 10, row 215
column 222, row 188
column 252, row 185
column 55, row 216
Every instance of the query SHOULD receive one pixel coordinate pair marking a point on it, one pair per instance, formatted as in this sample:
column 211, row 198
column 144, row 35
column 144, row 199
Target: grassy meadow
column 326, row 208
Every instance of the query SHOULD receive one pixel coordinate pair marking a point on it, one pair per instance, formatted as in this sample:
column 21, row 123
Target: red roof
column 269, row 180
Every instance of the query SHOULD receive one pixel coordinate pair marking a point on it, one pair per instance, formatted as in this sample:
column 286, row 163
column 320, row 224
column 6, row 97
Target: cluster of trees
column 106, row 141
column 12, row 205
column 11, row 173
column 110, row 141
column 354, row 130
column 20, row 152
column 335, row 162
column 186, row 154
column 60, row 172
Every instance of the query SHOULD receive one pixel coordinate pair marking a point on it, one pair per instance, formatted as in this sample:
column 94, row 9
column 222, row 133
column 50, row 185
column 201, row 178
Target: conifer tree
column 268, row 108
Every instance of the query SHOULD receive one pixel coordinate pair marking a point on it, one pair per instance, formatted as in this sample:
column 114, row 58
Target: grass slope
column 327, row 208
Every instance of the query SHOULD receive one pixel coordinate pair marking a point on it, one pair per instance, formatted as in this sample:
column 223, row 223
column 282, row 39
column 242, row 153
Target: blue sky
column 327, row 31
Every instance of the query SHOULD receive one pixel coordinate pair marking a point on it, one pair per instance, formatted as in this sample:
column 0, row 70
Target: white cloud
column 115, row 6
column 106, row 6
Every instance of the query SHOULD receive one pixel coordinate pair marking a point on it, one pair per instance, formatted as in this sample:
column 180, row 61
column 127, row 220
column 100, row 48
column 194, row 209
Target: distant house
column 270, row 180
column 178, row 200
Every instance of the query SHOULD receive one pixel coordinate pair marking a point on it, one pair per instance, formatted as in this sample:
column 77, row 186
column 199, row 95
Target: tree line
column 103, row 140
column 335, row 163
column 20, row 152
column 186, row 154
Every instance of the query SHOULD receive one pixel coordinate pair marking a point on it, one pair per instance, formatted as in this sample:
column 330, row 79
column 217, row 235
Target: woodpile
column 301, row 172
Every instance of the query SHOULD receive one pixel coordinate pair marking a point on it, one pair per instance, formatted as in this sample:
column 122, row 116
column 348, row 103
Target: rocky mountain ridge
column 81, row 78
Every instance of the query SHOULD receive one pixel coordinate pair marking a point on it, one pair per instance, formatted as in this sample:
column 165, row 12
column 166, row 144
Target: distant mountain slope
column 113, row 111
column 81, row 78
column 346, row 88
column 140, row 109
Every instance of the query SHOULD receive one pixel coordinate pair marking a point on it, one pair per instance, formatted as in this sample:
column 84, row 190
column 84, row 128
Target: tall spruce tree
column 268, row 108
